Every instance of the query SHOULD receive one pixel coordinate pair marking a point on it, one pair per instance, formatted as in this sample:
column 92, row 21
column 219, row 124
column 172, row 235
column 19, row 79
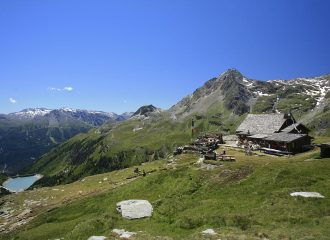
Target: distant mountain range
column 220, row 105
column 26, row 135
column 95, row 118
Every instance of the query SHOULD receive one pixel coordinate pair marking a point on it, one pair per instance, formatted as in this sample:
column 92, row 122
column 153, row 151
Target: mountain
column 151, row 133
column 226, row 98
column 30, row 113
column 7, row 122
column 93, row 118
column 26, row 135
column 145, row 112
column 241, row 94
column 126, row 115
column 23, row 143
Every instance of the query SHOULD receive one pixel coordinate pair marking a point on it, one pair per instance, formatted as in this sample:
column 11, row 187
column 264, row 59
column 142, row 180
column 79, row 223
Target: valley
column 26, row 135
column 88, row 168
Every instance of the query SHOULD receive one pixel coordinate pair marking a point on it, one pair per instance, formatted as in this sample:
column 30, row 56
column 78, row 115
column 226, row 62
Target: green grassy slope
column 21, row 145
column 240, row 200
column 119, row 145
column 320, row 123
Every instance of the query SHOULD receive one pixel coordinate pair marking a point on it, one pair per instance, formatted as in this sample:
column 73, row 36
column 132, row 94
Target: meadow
column 246, row 199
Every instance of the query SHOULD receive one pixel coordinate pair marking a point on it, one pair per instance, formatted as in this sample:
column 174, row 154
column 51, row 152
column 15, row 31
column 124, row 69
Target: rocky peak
column 146, row 111
column 231, row 75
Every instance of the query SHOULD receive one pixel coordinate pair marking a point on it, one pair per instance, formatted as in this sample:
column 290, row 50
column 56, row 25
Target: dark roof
column 285, row 137
column 262, row 123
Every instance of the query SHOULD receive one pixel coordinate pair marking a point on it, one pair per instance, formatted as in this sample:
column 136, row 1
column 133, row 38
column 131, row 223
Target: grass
column 241, row 200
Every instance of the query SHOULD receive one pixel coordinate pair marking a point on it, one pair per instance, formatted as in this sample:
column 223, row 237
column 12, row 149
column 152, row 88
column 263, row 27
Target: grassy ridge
column 119, row 145
column 21, row 144
column 240, row 200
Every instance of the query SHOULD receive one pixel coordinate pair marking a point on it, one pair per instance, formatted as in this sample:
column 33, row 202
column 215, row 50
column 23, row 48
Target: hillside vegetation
column 21, row 145
column 109, row 148
column 246, row 199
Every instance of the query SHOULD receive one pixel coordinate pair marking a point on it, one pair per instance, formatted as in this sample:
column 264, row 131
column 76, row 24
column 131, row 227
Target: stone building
column 279, row 131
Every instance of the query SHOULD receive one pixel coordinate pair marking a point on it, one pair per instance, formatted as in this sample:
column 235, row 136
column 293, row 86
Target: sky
column 119, row 55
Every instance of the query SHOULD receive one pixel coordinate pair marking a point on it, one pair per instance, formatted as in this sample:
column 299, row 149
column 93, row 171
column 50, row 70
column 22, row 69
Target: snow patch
column 261, row 93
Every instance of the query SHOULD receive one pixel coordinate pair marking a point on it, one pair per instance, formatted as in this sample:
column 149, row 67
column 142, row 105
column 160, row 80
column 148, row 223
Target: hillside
column 218, row 106
column 30, row 133
column 24, row 143
column 246, row 199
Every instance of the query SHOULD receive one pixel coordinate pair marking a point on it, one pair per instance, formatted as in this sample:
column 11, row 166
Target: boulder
column 307, row 194
column 134, row 209
column 123, row 233
column 209, row 231
column 97, row 238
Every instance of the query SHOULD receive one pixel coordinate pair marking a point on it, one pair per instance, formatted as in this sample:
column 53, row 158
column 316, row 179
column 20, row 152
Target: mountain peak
column 30, row 113
column 146, row 111
column 231, row 72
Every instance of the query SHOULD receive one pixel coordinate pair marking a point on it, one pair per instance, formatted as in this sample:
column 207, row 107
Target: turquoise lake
column 20, row 183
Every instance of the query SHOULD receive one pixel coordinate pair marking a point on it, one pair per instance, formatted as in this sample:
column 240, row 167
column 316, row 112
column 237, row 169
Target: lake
column 18, row 184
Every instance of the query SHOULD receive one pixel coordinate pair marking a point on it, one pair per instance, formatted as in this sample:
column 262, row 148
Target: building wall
column 325, row 152
column 296, row 146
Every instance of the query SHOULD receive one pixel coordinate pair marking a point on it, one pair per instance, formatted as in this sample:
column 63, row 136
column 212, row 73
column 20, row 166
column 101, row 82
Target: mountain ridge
column 240, row 93
column 83, row 115
column 30, row 133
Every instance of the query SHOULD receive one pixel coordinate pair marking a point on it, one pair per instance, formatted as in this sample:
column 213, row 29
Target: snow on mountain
column 96, row 118
column 312, row 86
column 77, row 111
column 30, row 113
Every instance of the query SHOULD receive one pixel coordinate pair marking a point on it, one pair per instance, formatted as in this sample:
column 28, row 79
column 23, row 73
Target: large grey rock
column 123, row 233
column 97, row 238
column 209, row 231
column 133, row 209
column 307, row 194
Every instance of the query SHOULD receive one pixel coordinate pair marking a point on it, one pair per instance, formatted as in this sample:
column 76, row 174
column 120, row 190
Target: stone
column 209, row 231
column 134, row 209
column 97, row 238
column 127, row 234
column 123, row 233
column 118, row 231
column 307, row 194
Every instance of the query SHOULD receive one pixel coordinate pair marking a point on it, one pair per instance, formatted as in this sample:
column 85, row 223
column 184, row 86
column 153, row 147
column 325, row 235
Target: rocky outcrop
column 134, row 209
column 307, row 194
column 146, row 111
column 123, row 233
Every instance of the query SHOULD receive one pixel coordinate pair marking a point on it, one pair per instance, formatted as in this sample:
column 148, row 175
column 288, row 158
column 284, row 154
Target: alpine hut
column 278, row 131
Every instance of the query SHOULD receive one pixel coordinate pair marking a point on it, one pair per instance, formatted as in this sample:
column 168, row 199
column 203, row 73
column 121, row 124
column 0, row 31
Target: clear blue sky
column 118, row 55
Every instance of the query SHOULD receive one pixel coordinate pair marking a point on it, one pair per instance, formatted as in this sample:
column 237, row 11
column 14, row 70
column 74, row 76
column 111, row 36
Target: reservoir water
column 20, row 183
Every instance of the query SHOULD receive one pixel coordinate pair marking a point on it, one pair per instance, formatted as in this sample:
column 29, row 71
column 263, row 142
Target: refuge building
column 278, row 131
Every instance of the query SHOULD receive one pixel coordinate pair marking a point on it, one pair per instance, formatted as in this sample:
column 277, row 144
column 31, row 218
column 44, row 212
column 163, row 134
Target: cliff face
column 229, row 89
